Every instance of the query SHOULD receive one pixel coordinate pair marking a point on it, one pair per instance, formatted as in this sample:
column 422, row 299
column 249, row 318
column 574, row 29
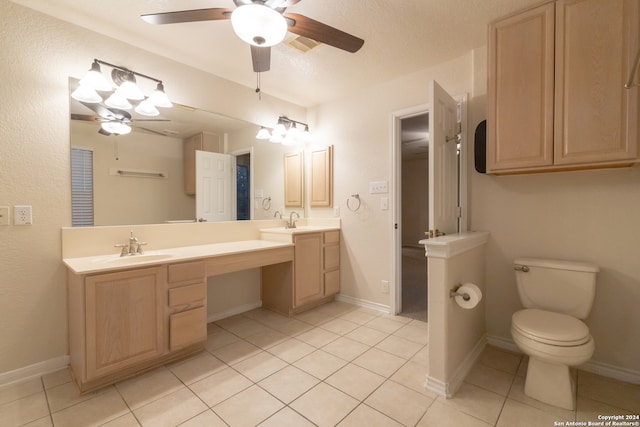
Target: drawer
column 186, row 271
column 187, row 328
column 331, row 257
column 188, row 296
column 332, row 236
column 332, row 282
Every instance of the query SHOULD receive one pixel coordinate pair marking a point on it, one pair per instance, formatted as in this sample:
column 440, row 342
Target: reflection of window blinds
column 81, row 187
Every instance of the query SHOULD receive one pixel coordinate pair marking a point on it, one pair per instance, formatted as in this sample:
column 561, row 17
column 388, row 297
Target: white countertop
column 299, row 229
column 103, row 263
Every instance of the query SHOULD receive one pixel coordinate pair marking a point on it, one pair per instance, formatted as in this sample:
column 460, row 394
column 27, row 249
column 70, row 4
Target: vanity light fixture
column 146, row 108
column 286, row 132
column 126, row 88
column 259, row 25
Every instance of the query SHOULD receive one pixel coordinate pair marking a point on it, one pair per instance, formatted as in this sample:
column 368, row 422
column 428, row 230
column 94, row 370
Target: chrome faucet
column 292, row 223
column 134, row 247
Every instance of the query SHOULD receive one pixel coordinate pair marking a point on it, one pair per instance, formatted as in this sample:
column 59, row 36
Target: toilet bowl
column 554, row 342
column 556, row 295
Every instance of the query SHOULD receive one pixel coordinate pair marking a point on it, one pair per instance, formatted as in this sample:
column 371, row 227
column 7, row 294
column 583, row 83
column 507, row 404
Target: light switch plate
column 378, row 187
column 22, row 215
column 4, row 215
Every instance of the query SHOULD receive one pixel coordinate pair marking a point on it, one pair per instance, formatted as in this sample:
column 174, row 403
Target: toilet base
column 550, row 383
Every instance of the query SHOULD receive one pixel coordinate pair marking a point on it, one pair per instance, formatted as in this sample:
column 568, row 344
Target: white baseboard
column 33, row 371
column 449, row 388
column 233, row 311
column 364, row 303
column 595, row 367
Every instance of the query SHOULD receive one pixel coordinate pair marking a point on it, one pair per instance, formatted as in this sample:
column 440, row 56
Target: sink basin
column 134, row 259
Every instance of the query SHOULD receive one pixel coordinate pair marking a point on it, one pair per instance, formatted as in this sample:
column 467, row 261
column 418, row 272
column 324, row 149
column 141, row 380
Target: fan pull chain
column 115, row 149
column 258, row 91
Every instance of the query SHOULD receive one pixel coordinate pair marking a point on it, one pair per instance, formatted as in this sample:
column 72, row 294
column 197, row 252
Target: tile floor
column 335, row 365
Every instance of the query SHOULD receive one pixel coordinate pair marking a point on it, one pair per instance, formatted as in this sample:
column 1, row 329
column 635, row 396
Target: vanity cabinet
column 556, row 96
column 315, row 278
column 123, row 322
column 202, row 141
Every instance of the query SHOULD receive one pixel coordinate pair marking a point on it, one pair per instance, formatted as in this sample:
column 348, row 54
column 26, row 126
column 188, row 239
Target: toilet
column 557, row 296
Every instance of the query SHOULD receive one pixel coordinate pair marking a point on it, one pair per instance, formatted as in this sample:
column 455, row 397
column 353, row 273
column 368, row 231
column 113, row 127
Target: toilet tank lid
column 558, row 264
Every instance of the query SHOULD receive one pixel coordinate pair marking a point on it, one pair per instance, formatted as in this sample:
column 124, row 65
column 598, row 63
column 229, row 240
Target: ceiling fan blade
column 261, row 57
column 101, row 131
column 151, row 131
column 213, row 14
column 150, row 120
column 86, row 117
column 323, row 33
column 289, row 3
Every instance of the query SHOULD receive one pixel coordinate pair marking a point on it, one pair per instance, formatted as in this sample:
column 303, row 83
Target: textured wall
column 39, row 54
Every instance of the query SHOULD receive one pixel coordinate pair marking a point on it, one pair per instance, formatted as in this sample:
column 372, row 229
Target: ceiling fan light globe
column 117, row 100
column 259, row 25
column 86, row 94
column 116, row 128
column 146, row 108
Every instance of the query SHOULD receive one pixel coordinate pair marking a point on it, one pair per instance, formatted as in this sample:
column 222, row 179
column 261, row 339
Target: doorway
column 414, row 184
column 243, row 187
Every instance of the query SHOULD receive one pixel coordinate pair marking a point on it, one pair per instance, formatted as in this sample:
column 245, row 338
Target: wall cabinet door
column 596, row 117
column 124, row 319
column 556, row 96
column 308, row 283
column 322, row 177
column 293, row 180
column 520, row 90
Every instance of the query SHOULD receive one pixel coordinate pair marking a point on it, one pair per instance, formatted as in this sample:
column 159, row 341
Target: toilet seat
column 550, row 328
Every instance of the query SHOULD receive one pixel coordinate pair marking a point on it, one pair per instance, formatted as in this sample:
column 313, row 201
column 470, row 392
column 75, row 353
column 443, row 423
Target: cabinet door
column 124, row 319
column 308, row 284
column 520, row 90
column 293, row 180
column 322, row 177
column 596, row 118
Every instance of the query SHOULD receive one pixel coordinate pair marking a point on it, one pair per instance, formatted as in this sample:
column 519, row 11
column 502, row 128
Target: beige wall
column 39, row 54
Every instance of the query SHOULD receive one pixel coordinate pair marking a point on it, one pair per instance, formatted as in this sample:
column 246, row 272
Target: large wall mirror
column 139, row 178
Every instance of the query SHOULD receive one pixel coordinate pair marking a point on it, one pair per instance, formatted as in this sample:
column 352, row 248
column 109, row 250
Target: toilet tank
column 567, row 287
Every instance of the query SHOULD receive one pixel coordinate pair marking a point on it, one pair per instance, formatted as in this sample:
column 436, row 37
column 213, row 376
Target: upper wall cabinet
column 556, row 96
column 322, row 177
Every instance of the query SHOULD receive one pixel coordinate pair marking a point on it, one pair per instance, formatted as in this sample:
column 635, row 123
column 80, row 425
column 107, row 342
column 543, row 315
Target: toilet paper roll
column 474, row 292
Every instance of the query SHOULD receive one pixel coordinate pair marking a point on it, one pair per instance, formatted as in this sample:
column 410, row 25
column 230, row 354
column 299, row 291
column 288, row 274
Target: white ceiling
column 401, row 37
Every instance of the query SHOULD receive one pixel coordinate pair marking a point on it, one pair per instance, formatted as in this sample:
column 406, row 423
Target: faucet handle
column 139, row 249
column 125, row 249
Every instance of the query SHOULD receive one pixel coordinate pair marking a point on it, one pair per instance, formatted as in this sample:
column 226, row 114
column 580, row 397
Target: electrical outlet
column 385, row 286
column 4, row 215
column 22, row 215
column 378, row 187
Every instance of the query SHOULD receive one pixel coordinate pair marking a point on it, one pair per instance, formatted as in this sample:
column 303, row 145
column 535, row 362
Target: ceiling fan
column 262, row 24
column 113, row 121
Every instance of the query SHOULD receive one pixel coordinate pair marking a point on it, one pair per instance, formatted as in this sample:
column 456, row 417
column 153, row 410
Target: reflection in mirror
column 139, row 178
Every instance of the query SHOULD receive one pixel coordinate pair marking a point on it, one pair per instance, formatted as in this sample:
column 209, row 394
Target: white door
column 443, row 161
column 214, row 180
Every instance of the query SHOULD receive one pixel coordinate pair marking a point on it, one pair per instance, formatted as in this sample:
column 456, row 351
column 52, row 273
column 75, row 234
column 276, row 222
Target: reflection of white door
column 443, row 161
column 213, row 186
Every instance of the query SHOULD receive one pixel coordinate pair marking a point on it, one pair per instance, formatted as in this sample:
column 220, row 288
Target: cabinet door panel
column 596, row 119
column 308, row 268
column 124, row 317
column 331, row 257
column 520, row 90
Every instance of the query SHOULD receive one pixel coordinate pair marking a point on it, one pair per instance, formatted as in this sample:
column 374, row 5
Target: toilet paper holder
column 454, row 293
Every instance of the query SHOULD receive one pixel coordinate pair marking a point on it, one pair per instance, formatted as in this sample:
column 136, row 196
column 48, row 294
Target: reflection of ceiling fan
column 113, row 121
column 262, row 24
